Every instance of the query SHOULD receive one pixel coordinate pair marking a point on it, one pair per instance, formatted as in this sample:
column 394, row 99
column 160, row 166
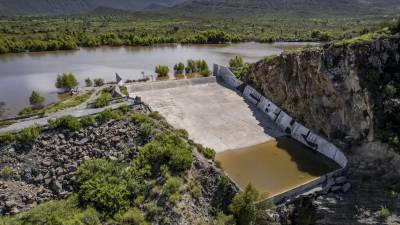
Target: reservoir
column 20, row 74
column 274, row 166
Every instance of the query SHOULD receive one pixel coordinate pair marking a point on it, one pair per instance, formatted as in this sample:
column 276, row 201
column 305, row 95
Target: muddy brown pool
column 275, row 166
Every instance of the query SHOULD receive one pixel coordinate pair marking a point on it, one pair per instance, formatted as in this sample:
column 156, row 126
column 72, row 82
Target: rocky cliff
column 342, row 92
column 351, row 95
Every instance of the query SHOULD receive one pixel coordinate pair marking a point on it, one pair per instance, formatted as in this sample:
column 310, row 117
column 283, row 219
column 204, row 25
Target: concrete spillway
column 249, row 144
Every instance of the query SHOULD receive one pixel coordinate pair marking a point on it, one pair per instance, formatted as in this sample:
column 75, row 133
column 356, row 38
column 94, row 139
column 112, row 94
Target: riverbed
column 20, row 74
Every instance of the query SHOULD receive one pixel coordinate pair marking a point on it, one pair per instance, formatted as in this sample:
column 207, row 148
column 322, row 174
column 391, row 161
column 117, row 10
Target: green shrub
column 132, row 217
column 7, row 138
column 168, row 149
column 243, row 206
column 88, row 82
column 87, row 121
column 156, row 116
column 139, row 118
column 66, row 81
column 102, row 184
column 145, row 130
column 162, row 70
column 209, row 153
column 6, row 172
column 55, row 213
column 29, row 134
column 98, row 82
column 205, row 73
column 107, row 115
column 236, row 62
column 26, row 111
column 103, row 100
column 36, row 100
column 124, row 108
column 172, row 185
column 66, row 122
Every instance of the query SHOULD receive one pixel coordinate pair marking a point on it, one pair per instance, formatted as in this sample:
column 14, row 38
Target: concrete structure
column 288, row 125
column 213, row 115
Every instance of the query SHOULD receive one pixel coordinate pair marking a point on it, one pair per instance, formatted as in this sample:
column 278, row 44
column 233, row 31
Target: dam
column 220, row 112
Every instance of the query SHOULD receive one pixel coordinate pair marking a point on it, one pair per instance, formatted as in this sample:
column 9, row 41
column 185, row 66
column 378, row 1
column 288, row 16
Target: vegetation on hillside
column 20, row 34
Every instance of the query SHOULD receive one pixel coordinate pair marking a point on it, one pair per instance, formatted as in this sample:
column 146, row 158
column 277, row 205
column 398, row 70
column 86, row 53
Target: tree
column 179, row 68
column 243, row 206
column 36, row 100
column 162, row 70
column 66, row 81
column 191, row 65
column 88, row 82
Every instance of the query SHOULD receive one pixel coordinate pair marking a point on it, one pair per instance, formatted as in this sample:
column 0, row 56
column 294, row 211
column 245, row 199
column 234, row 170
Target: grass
column 69, row 102
column 64, row 103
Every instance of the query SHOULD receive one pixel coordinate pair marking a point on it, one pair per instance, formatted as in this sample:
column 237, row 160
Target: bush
column 87, row 121
column 132, row 217
column 36, row 100
column 67, row 122
column 102, row 184
column 29, row 134
column 66, row 81
column 243, row 206
column 236, row 62
column 124, row 108
column 205, row 73
column 139, row 118
column 99, row 82
column 103, row 100
column 179, row 68
column 26, row 111
column 172, row 186
column 107, row 115
column 209, row 153
column 162, row 70
column 6, row 172
column 56, row 213
column 88, row 82
column 167, row 149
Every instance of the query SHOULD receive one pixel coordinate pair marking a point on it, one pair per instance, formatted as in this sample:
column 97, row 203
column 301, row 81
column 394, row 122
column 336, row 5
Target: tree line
column 73, row 41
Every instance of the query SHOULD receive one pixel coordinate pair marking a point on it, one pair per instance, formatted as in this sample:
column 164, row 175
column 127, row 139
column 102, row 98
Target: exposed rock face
column 326, row 88
column 349, row 94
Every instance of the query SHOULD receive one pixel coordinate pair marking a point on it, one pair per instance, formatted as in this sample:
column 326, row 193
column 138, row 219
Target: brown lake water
column 22, row 73
column 275, row 166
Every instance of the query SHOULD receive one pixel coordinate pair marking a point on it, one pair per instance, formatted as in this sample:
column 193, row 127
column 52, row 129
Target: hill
column 57, row 7
column 290, row 7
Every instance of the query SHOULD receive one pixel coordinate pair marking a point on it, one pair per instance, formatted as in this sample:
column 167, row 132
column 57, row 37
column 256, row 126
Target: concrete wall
column 288, row 125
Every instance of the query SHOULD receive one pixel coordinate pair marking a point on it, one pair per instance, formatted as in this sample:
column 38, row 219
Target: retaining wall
column 289, row 126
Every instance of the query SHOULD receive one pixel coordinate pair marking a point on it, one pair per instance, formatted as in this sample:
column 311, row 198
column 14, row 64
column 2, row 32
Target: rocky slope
column 349, row 94
column 46, row 170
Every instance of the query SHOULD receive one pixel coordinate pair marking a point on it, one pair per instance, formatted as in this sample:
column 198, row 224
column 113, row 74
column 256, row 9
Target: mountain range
column 55, row 7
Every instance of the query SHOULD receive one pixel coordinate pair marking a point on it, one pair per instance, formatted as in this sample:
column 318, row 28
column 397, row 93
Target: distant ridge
column 65, row 7
column 281, row 7
column 292, row 7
